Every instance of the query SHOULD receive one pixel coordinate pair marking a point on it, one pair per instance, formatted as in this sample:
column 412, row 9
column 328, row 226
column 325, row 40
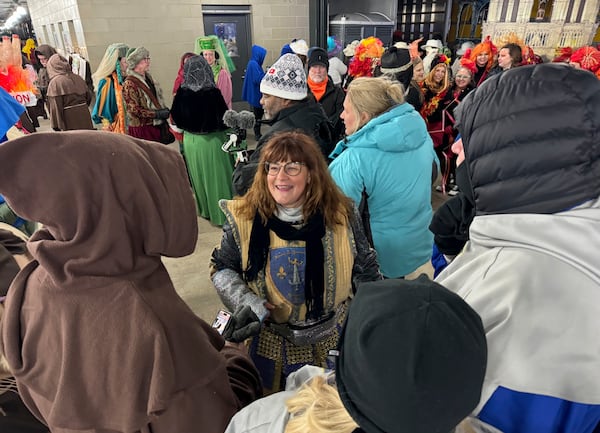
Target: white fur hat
column 299, row 46
column 433, row 43
column 351, row 48
column 402, row 45
column 464, row 47
column 136, row 56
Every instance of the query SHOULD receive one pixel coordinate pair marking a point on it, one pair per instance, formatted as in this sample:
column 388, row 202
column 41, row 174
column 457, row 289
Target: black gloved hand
column 163, row 113
column 242, row 325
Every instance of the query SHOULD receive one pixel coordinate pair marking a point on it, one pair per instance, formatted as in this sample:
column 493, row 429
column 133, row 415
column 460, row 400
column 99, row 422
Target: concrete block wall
column 166, row 29
column 276, row 23
column 57, row 23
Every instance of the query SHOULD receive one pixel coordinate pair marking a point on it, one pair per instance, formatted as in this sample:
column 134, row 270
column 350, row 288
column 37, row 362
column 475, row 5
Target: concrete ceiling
column 8, row 6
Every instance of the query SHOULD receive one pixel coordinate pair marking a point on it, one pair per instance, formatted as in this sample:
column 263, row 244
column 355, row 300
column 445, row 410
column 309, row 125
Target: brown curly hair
column 321, row 194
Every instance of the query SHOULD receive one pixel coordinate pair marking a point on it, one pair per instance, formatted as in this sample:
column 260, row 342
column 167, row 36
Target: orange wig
column 485, row 46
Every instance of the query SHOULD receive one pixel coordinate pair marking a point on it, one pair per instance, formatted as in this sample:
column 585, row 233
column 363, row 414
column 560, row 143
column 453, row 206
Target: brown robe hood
column 94, row 331
column 46, row 50
column 62, row 79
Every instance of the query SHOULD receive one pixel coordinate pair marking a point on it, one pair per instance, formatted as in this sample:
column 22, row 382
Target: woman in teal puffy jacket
column 389, row 156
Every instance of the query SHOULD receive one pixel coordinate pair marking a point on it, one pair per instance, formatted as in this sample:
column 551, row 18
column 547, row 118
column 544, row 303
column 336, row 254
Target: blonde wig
column 317, row 408
column 438, row 87
column 373, row 96
column 322, row 193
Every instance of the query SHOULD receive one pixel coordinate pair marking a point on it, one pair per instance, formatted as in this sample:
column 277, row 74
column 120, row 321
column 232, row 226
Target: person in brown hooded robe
column 94, row 332
column 68, row 97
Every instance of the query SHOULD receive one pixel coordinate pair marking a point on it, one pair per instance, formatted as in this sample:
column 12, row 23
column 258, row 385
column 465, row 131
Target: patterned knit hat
column 136, row 56
column 285, row 79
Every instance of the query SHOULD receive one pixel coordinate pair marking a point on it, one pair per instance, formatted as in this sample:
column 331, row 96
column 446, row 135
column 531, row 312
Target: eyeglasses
column 290, row 168
column 463, row 77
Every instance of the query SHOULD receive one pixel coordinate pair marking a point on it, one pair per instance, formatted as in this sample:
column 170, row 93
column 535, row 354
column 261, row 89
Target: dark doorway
column 422, row 18
column 232, row 25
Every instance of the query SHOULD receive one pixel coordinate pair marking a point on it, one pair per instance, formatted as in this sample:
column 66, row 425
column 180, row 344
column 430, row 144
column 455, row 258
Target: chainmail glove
column 242, row 325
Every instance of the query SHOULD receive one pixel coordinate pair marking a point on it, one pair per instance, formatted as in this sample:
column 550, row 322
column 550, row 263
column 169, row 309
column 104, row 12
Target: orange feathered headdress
column 588, row 57
column 485, row 46
column 13, row 78
column 511, row 38
column 366, row 57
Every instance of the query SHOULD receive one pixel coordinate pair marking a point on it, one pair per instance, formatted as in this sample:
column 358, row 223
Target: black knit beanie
column 318, row 56
column 412, row 358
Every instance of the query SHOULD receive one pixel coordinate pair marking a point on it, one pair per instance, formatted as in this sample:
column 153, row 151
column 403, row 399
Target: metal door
column 232, row 25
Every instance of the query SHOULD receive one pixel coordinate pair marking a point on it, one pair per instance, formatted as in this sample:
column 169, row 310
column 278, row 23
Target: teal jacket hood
column 399, row 129
column 391, row 159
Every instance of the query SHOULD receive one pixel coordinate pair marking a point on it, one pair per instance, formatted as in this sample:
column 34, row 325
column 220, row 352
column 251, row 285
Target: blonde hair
column 438, row 87
column 373, row 96
column 322, row 193
column 317, row 408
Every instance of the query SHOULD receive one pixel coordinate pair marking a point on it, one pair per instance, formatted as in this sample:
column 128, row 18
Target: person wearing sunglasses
column 292, row 250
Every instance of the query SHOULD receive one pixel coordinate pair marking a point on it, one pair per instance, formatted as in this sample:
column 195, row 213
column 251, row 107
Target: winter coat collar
column 399, row 129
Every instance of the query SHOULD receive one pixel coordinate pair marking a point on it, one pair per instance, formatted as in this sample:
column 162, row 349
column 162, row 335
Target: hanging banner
column 26, row 98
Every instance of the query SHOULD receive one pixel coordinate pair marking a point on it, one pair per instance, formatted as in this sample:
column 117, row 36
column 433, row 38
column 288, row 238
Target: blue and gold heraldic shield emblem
column 287, row 271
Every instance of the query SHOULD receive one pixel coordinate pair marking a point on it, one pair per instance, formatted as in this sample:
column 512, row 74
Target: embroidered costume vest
column 282, row 281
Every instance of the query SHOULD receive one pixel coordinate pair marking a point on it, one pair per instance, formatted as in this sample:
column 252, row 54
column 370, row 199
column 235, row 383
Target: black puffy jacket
column 532, row 140
column 332, row 102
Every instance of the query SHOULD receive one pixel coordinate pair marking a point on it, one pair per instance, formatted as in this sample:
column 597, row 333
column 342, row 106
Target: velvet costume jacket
column 140, row 109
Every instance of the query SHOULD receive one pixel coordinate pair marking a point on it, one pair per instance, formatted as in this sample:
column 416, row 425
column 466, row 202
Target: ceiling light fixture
column 18, row 14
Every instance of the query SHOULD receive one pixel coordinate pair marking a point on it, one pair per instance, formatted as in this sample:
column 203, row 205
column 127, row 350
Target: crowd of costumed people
column 436, row 79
